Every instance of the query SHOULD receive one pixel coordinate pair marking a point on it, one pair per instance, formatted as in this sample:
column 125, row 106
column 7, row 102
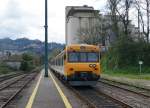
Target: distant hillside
column 26, row 45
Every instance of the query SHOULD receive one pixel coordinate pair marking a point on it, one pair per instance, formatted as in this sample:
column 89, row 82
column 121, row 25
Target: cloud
column 12, row 20
column 13, row 11
column 25, row 18
column 17, row 22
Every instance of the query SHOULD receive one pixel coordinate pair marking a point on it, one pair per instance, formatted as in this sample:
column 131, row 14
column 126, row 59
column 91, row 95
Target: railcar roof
column 73, row 45
column 80, row 46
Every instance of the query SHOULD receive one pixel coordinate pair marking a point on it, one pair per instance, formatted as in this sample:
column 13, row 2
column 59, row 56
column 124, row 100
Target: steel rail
column 88, row 102
column 12, row 82
column 91, row 104
column 142, row 88
column 18, row 91
column 6, row 77
column 125, row 105
column 126, row 89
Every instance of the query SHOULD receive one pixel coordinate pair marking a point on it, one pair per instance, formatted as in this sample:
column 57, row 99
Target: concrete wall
column 15, row 65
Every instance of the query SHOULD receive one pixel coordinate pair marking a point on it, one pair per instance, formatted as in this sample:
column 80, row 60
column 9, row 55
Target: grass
column 4, row 69
column 130, row 72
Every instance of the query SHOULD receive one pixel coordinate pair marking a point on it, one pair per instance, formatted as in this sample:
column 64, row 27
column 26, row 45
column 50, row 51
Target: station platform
column 49, row 92
column 45, row 94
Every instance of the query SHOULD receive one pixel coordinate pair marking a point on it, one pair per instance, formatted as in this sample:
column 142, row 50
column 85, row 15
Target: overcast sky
column 25, row 18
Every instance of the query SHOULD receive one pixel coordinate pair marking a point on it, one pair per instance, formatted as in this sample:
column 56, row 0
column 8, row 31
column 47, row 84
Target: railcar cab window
column 83, row 57
column 92, row 57
column 73, row 57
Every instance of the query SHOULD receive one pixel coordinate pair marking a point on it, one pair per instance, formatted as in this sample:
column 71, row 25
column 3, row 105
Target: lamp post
column 46, row 39
column 140, row 63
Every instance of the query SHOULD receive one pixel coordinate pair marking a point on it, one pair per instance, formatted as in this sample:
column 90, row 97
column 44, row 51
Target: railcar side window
column 73, row 57
column 93, row 57
column 64, row 56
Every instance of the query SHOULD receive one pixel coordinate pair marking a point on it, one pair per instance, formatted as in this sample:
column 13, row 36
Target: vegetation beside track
column 131, row 73
column 122, row 60
column 4, row 69
column 30, row 62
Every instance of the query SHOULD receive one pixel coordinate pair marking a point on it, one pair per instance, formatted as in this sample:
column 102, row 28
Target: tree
column 54, row 52
column 27, row 62
column 144, row 8
column 112, row 5
column 123, row 12
column 94, row 34
column 91, row 35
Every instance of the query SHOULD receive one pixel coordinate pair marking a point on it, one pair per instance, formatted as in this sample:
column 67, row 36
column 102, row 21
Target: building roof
column 71, row 10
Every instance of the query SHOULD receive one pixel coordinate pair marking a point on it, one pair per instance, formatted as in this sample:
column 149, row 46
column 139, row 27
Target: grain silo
column 78, row 17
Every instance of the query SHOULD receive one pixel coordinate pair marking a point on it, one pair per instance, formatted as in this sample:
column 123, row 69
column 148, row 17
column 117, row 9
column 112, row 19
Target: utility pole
column 46, row 39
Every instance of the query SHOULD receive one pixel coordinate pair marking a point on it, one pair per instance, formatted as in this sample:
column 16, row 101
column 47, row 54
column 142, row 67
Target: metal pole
column 140, row 69
column 46, row 39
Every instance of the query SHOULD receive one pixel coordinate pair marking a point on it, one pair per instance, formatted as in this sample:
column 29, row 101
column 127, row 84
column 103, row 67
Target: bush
column 4, row 69
column 126, row 53
column 27, row 62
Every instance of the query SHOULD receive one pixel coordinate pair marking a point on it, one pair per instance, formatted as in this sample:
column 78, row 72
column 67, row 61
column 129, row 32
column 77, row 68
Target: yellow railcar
column 78, row 64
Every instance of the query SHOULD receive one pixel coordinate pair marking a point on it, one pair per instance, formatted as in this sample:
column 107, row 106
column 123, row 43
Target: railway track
column 136, row 98
column 96, row 99
column 13, row 88
column 9, row 76
column 139, row 91
column 10, row 81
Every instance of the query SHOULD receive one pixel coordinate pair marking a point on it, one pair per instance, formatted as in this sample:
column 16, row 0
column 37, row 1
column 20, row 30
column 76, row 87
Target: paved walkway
column 135, row 82
column 47, row 94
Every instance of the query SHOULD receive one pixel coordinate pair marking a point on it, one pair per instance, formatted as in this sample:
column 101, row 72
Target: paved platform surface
column 45, row 95
column 49, row 93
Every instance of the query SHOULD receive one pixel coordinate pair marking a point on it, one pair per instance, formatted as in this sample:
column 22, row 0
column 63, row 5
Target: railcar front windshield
column 83, row 57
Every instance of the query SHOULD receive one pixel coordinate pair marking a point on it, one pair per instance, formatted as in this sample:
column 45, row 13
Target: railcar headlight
column 71, row 69
column 90, row 65
column 96, row 69
column 94, row 65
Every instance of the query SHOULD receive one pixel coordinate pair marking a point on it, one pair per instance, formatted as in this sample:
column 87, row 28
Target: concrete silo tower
column 78, row 17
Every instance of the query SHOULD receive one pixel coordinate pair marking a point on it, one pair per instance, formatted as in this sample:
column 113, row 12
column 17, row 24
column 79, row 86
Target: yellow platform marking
column 64, row 98
column 32, row 97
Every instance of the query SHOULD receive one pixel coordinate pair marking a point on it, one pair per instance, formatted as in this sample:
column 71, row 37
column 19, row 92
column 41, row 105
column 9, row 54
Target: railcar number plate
column 82, row 47
column 83, row 74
